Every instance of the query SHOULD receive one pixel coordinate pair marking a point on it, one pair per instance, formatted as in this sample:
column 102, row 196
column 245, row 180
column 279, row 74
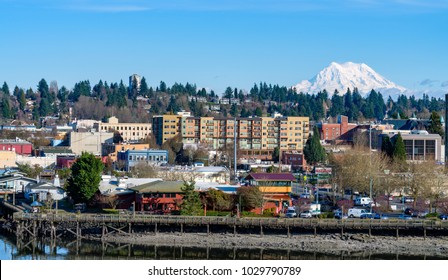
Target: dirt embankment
column 328, row 243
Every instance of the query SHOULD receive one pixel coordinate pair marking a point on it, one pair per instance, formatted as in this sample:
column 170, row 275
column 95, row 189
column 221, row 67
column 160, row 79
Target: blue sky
column 220, row 43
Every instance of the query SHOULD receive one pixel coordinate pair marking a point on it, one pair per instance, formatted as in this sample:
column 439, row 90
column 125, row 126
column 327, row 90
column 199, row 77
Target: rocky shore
column 326, row 243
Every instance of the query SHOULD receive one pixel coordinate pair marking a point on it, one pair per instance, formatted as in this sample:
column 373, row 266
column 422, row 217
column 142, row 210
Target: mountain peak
column 341, row 76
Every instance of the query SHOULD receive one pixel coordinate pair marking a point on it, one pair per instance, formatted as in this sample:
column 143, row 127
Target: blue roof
column 228, row 189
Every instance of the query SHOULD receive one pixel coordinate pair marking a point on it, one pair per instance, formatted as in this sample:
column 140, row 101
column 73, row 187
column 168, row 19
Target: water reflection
column 43, row 249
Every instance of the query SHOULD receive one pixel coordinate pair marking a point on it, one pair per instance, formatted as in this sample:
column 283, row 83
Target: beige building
column 8, row 159
column 89, row 141
column 130, row 132
column 256, row 137
column 111, row 149
column 167, row 126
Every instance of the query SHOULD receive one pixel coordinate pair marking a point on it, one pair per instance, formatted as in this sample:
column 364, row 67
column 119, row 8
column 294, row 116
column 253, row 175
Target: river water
column 94, row 250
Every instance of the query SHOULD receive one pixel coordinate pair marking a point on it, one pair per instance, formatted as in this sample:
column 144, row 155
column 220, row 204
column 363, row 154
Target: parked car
column 443, row 217
column 305, row 214
column 367, row 216
column 415, row 213
column 339, row 215
column 407, row 199
column 291, row 212
column 410, row 212
column 405, row 217
column 381, row 216
column 305, row 195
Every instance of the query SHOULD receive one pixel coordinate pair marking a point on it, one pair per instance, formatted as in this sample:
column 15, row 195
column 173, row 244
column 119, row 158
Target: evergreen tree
column 337, row 105
column 276, row 154
column 258, row 112
column 85, row 178
column 435, row 125
column 313, row 151
column 234, row 110
column 387, row 147
column 162, row 87
column 144, row 90
column 44, row 108
column 399, row 153
column 6, row 108
column 44, row 91
column 228, row 93
column 5, row 89
column 21, row 99
column 191, row 202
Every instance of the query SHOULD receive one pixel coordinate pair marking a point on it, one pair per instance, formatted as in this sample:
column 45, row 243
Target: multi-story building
column 111, row 149
column 129, row 131
column 131, row 158
column 166, row 127
column 19, row 146
column 90, row 142
column 419, row 144
column 337, row 132
column 257, row 137
column 134, row 78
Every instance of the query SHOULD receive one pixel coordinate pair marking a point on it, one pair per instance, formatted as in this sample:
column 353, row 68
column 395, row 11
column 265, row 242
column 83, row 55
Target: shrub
column 110, row 211
column 218, row 213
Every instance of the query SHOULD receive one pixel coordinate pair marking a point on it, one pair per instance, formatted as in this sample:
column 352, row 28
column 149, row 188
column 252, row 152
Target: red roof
column 271, row 176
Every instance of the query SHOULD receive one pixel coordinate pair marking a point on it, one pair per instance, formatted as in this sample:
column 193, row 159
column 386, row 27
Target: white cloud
column 444, row 84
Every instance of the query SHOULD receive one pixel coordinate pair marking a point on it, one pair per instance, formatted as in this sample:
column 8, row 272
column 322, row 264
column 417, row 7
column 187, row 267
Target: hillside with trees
column 104, row 99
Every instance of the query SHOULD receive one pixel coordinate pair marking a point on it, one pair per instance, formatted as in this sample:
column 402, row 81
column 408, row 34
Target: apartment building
column 130, row 132
column 166, row 127
column 256, row 137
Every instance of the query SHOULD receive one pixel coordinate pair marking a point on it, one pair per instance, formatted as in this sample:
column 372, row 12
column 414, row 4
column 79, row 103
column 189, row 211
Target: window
column 430, row 149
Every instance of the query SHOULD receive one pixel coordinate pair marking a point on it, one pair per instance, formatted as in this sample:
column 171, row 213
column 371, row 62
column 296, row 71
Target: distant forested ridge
column 137, row 104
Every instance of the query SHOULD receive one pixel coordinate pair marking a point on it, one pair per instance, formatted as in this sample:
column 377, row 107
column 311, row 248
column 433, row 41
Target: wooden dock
column 41, row 224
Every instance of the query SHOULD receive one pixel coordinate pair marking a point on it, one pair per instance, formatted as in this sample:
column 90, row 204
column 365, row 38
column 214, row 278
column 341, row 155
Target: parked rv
column 363, row 201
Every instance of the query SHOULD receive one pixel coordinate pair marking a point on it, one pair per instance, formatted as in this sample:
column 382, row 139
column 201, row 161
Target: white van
column 356, row 212
column 363, row 201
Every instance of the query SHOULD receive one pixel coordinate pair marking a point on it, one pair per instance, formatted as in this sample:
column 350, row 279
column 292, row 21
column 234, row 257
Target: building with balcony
column 257, row 137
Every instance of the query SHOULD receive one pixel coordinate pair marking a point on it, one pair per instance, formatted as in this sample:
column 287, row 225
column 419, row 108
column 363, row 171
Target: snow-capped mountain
column 349, row 75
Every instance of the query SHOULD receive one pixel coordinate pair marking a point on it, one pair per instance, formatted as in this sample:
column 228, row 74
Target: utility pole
column 234, row 148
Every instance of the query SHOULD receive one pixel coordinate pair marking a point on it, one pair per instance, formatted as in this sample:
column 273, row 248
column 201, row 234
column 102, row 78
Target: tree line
column 103, row 99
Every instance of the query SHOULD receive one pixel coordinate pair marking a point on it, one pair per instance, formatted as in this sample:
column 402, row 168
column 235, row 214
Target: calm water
column 89, row 250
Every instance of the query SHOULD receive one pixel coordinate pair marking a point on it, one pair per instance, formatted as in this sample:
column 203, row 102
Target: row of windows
column 150, row 158
column 124, row 128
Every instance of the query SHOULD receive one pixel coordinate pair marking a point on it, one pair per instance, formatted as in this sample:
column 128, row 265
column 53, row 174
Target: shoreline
column 325, row 243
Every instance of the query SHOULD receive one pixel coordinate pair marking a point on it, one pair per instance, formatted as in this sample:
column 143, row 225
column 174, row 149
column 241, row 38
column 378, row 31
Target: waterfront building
column 275, row 187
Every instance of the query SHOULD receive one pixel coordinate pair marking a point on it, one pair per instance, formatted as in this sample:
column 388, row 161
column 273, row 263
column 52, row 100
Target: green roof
column 160, row 186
